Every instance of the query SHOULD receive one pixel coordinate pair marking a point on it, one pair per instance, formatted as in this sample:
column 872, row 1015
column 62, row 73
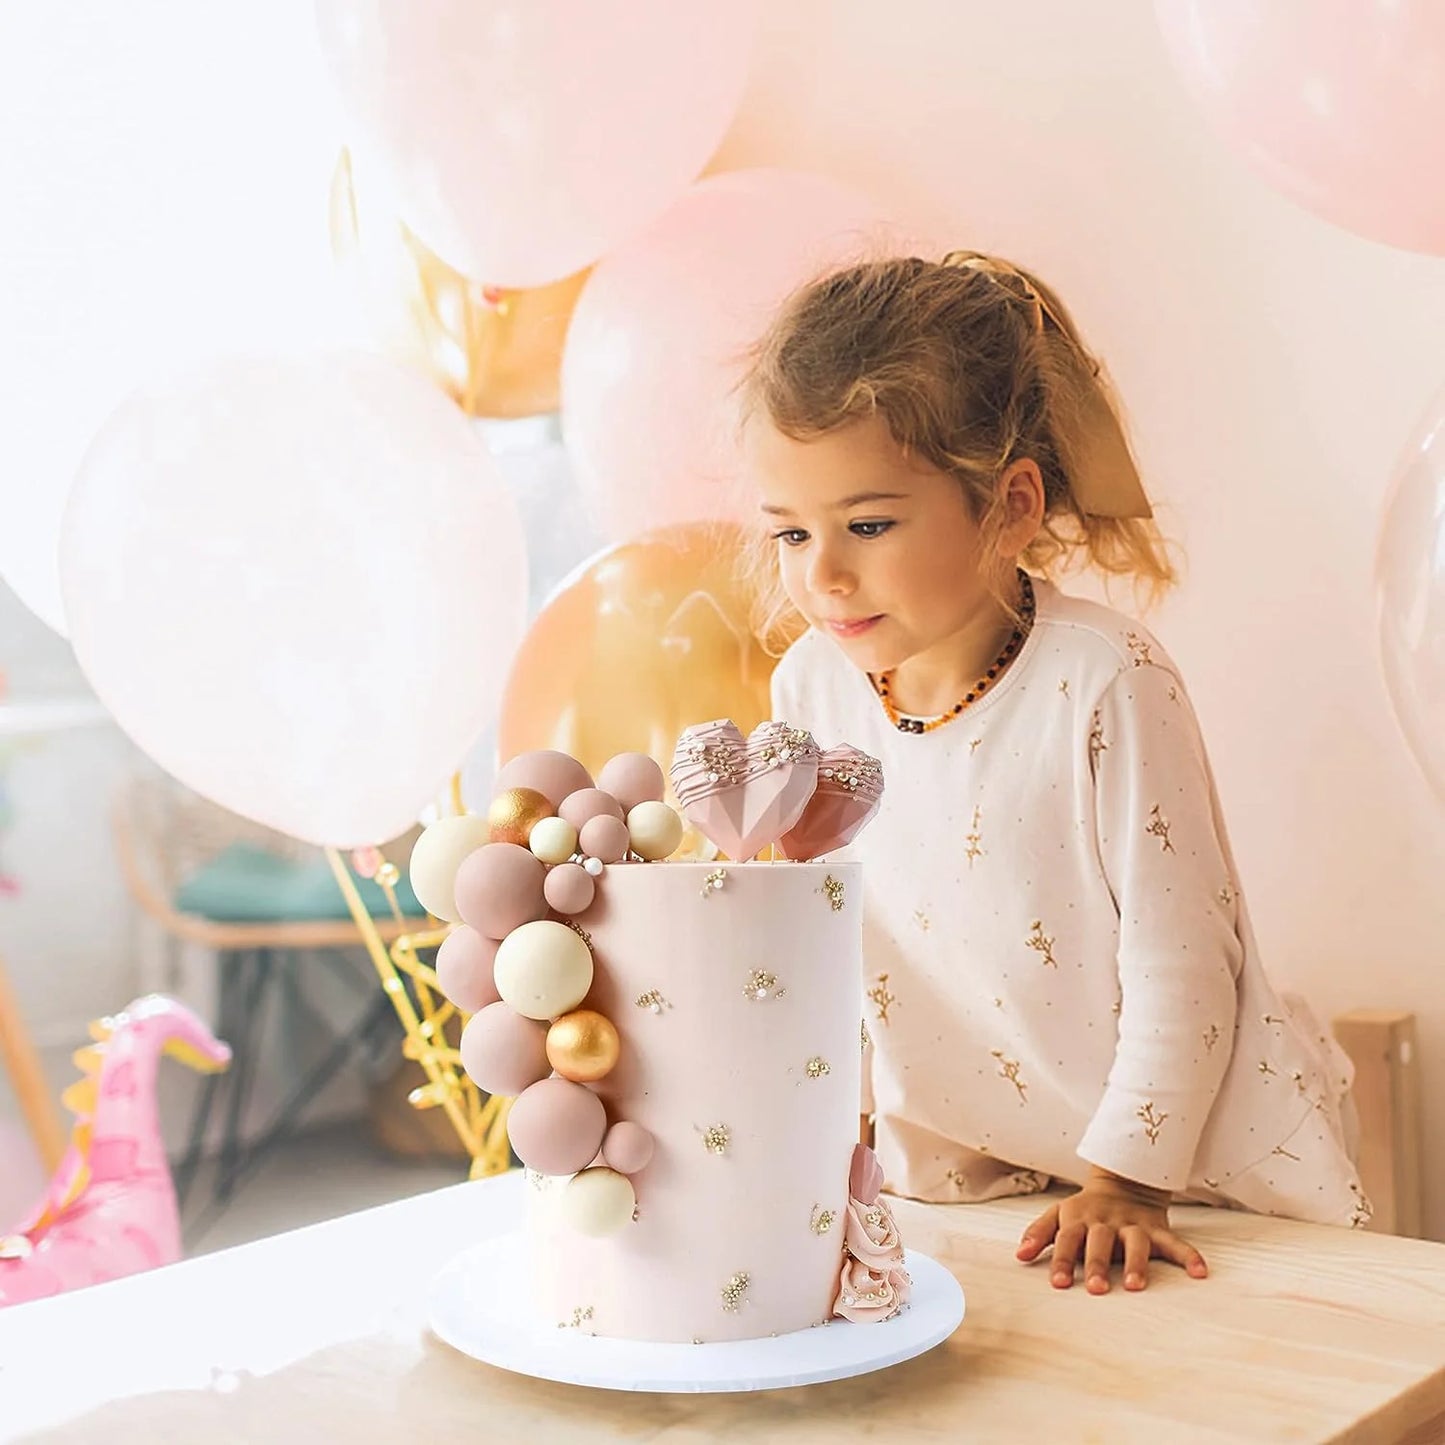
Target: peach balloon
column 499, row 888
column 651, row 637
column 632, row 778
column 658, row 341
column 628, row 1147
column 502, row 1052
column 464, row 969
column 495, row 352
column 606, row 838
column 553, row 774
column 556, row 1127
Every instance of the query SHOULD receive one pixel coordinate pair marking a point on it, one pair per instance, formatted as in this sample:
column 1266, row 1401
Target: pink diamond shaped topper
column 850, row 788
column 744, row 793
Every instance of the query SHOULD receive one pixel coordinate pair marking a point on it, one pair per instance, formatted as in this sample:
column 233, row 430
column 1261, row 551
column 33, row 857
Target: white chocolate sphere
column 655, row 830
column 543, row 969
column 553, row 840
column 437, row 855
column 598, row 1202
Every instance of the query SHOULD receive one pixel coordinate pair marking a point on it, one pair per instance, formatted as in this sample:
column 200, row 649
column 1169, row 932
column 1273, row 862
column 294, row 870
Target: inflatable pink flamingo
column 110, row 1209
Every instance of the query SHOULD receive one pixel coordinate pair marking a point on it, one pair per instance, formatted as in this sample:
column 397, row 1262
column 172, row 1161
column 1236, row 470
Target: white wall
column 1273, row 368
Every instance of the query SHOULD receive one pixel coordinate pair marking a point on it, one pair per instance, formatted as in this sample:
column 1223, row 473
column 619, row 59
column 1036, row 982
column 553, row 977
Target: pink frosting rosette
column 873, row 1284
column 871, row 1235
column 869, row 1296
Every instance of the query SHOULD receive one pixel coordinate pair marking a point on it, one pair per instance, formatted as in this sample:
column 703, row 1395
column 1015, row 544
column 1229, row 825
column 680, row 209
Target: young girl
column 1063, row 982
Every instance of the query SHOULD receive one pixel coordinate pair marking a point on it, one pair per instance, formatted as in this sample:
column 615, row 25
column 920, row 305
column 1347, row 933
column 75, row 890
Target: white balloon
column 164, row 174
column 298, row 586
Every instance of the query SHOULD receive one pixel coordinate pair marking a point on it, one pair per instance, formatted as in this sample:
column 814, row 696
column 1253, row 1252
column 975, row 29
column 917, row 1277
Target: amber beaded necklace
column 883, row 683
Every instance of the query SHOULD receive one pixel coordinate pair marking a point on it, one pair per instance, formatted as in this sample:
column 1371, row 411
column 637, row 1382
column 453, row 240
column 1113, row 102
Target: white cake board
column 474, row 1307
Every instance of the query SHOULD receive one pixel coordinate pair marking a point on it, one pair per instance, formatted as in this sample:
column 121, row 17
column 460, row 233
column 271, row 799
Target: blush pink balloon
column 627, row 1147
column 606, row 838
column 569, row 889
column 1339, row 104
column 555, row 775
column 556, row 1126
column 464, row 969
column 586, row 803
column 527, row 137
column 504, row 1053
column 656, row 344
column 499, row 888
column 632, row 778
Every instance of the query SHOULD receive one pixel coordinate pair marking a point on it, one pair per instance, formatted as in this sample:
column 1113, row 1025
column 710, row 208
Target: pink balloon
column 504, row 1053
column 606, row 838
column 627, row 1147
column 1410, row 582
column 632, row 778
column 556, row 1126
column 464, row 969
column 569, row 889
column 657, row 341
column 499, row 888
column 1339, row 104
column 528, row 137
column 587, row 803
column 551, row 773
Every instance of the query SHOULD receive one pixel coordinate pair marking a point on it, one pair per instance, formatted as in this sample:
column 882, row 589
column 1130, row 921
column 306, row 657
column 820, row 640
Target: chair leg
column 244, row 1051
column 288, row 1117
column 227, row 1024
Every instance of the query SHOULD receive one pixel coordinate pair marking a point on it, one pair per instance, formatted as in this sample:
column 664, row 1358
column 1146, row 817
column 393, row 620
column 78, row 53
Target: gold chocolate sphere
column 513, row 814
column 583, row 1046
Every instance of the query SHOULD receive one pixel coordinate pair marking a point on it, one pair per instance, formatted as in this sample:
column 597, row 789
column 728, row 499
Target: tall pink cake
column 682, row 1039
column 736, row 991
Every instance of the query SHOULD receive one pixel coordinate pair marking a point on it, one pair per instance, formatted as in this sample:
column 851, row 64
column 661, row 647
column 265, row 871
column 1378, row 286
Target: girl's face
column 878, row 550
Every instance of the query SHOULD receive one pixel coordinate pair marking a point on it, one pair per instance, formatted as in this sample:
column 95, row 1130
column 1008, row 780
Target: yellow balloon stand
column 479, row 1120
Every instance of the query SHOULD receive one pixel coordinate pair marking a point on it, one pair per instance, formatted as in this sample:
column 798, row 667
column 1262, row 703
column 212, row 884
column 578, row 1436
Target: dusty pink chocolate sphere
column 556, row 1127
column 551, row 773
column 464, row 969
column 632, row 778
column 499, row 888
column 503, row 1052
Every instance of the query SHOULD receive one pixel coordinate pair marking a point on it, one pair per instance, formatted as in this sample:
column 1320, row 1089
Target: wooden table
column 1302, row 1333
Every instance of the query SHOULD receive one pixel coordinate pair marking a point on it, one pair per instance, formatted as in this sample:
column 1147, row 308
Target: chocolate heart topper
column 744, row 793
column 849, row 791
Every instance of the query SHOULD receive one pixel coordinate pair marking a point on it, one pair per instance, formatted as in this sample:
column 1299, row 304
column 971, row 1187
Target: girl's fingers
column 1168, row 1245
column 1067, row 1244
column 1135, row 1239
column 1098, row 1255
column 1039, row 1234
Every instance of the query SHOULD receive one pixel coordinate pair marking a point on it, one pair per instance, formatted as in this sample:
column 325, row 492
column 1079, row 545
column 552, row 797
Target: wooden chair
column 166, row 836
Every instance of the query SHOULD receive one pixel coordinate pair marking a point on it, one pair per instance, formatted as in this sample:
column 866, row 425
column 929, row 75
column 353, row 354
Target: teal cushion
column 246, row 884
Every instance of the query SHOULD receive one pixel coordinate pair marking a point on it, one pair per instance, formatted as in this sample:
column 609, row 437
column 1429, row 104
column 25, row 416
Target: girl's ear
column 1021, row 490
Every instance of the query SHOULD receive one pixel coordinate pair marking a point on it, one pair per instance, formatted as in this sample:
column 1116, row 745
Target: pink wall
column 1273, row 367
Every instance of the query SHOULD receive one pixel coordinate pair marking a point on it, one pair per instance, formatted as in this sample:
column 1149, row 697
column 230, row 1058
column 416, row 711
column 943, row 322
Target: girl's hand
column 1108, row 1219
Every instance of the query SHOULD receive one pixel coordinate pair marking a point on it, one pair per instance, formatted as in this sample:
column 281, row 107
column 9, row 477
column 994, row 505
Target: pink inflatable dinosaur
column 111, row 1207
